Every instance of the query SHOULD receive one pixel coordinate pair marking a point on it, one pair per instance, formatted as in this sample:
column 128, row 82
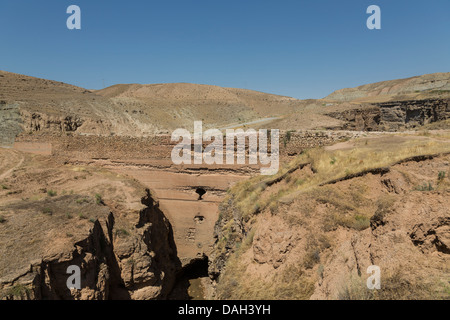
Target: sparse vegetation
column 236, row 283
column 380, row 153
column 4, row 187
column 311, row 258
column 384, row 207
column 287, row 137
column 2, row 219
column 395, row 285
column 359, row 222
column 18, row 291
column 81, row 201
column 82, row 216
column 440, row 91
column 438, row 125
column 425, row 187
column 98, row 199
column 249, row 239
column 353, row 208
column 121, row 233
column 51, row 193
column 47, row 211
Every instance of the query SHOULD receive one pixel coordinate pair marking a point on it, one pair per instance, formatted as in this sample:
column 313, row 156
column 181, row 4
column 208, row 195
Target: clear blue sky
column 303, row 49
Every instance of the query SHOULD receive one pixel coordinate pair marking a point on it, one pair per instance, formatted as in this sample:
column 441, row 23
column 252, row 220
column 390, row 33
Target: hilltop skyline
column 297, row 49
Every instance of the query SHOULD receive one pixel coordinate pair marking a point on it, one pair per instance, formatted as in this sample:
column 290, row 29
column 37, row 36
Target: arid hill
column 34, row 105
column 179, row 104
column 86, row 178
column 414, row 88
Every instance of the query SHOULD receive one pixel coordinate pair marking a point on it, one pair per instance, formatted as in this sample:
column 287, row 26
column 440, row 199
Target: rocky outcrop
column 394, row 116
column 364, row 119
column 147, row 259
column 140, row 264
column 46, row 278
column 36, row 122
column 10, row 123
column 401, row 115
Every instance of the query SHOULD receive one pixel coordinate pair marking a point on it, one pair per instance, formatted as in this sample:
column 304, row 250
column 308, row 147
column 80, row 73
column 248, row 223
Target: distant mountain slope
column 41, row 95
column 416, row 87
column 130, row 109
column 38, row 105
column 180, row 103
column 184, row 92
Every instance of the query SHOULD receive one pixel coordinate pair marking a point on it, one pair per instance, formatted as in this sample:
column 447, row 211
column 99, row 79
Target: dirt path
column 235, row 126
column 9, row 157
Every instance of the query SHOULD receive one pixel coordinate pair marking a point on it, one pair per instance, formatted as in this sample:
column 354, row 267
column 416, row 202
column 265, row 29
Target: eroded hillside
column 53, row 216
column 414, row 88
column 312, row 231
column 33, row 105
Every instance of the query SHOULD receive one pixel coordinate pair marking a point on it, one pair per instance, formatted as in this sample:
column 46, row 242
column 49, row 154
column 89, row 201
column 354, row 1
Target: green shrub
column 425, row 187
column 51, row 193
column 312, row 257
column 360, row 222
column 81, row 201
column 19, row 291
column 441, row 175
column 98, row 199
column 82, row 216
column 47, row 211
column 122, row 233
column 287, row 137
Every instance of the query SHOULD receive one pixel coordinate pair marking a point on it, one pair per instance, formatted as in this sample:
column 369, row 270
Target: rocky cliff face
column 395, row 116
column 140, row 264
column 403, row 115
column 147, row 260
column 33, row 122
